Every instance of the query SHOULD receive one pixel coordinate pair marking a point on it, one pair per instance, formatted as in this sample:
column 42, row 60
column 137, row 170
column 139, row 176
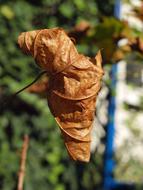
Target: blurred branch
column 22, row 164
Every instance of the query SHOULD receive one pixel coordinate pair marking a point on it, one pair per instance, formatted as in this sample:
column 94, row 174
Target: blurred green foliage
column 48, row 165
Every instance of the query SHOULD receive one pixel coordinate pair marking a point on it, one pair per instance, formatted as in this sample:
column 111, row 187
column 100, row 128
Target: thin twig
column 35, row 80
column 9, row 99
column 22, row 163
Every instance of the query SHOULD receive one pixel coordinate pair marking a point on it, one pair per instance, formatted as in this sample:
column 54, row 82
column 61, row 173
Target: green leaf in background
column 7, row 12
column 67, row 9
column 80, row 4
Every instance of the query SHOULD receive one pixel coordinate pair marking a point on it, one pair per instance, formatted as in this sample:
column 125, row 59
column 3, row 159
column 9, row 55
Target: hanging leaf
column 74, row 82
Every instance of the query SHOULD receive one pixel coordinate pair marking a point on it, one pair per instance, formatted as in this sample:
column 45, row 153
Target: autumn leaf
column 73, row 85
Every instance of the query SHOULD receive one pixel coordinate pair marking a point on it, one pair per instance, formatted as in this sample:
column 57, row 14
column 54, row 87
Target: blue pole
column 109, row 150
column 117, row 9
column 109, row 164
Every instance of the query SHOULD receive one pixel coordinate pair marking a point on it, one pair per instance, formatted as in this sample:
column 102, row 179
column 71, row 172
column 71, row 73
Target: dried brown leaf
column 74, row 82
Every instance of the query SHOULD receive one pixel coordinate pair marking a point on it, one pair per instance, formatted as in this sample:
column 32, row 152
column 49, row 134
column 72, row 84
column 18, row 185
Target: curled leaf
column 73, row 85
